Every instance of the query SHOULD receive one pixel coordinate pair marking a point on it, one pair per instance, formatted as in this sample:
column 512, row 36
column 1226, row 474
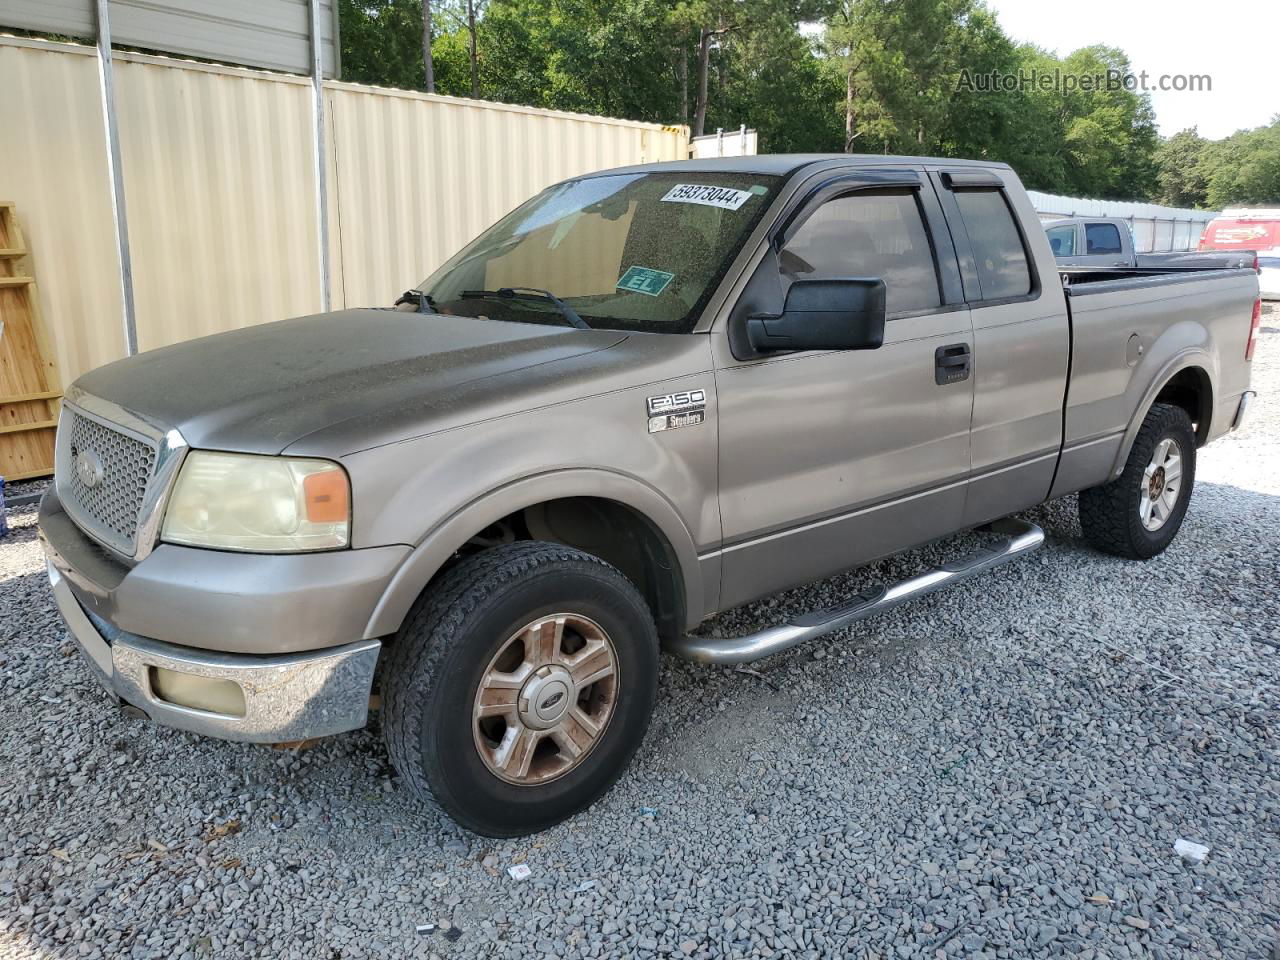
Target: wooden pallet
column 29, row 390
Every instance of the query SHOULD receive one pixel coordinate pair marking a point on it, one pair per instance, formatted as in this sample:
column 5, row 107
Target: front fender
column 449, row 536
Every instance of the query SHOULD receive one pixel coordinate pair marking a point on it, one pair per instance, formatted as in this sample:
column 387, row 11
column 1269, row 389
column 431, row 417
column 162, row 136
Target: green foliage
column 1109, row 136
column 590, row 56
column 891, row 76
column 1244, row 169
column 983, row 125
column 916, row 78
column 1240, row 170
column 1183, row 180
column 900, row 61
column 382, row 42
column 784, row 93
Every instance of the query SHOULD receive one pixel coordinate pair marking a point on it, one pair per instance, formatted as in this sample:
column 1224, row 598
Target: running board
column 1016, row 538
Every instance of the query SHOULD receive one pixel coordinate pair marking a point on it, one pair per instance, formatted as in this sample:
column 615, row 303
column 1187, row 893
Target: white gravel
column 1002, row 770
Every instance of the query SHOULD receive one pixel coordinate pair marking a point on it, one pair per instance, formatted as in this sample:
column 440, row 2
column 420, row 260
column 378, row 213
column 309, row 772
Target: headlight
column 238, row 501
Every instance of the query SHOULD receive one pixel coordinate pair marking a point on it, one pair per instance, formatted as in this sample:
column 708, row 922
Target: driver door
column 829, row 459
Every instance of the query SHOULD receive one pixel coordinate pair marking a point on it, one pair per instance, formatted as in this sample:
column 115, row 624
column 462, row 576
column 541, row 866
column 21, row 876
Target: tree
column 430, row 73
column 1244, row 168
column 864, row 41
column 1092, row 140
column 1181, row 177
column 1109, row 135
column 977, row 123
column 473, row 51
column 608, row 57
column 901, row 64
column 886, row 76
column 383, row 42
column 775, row 83
column 725, row 30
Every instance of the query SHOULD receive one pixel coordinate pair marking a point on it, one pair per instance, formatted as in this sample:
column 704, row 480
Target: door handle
column 951, row 364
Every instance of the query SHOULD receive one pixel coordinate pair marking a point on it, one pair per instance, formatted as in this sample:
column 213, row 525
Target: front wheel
column 1138, row 514
column 520, row 687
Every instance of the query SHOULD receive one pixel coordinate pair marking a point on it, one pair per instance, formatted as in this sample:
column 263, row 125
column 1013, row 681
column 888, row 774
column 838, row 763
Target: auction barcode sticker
column 707, row 195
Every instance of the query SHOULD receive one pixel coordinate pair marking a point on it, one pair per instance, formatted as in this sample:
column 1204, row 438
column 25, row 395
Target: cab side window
column 1063, row 241
column 870, row 233
column 1101, row 239
column 1003, row 266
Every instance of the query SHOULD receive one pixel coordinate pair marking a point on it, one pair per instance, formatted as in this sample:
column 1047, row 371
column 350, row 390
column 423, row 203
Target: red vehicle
column 1250, row 229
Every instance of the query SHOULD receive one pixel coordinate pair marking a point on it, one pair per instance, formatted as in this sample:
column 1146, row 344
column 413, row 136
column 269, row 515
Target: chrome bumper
column 287, row 697
column 1243, row 410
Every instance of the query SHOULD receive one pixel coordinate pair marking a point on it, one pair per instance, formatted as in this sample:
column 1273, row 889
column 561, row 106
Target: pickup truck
column 645, row 396
column 1106, row 243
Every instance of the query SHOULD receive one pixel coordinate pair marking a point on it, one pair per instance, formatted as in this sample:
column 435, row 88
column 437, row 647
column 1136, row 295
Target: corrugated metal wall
column 220, row 187
column 221, row 194
column 53, row 166
column 275, row 34
column 417, row 176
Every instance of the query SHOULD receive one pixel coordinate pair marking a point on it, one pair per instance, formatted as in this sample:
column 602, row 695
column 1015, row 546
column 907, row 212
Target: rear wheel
column 521, row 686
column 1138, row 514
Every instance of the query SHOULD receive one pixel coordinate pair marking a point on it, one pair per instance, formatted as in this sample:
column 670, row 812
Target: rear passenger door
column 832, row 458
column 1021, row 339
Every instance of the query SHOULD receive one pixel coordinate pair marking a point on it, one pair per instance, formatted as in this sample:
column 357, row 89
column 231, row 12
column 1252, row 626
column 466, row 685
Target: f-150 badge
column 685, row 408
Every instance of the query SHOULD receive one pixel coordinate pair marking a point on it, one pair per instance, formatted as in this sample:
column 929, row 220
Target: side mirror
column 843, row 314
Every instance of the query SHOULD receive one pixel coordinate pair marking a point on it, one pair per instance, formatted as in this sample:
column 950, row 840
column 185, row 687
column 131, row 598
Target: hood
column 259, row 389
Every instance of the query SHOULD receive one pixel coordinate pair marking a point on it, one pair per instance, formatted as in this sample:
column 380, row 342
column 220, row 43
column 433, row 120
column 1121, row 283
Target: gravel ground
column 1001, row 770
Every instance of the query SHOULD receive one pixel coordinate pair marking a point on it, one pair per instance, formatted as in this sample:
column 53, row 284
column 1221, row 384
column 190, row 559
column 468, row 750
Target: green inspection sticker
column 644, row 280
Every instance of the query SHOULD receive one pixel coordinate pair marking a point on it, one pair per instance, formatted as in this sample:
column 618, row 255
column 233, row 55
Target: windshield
column 636, row 251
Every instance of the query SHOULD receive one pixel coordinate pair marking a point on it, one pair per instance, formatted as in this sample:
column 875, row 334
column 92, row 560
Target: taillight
column 1254, row 324
column 1257, row 267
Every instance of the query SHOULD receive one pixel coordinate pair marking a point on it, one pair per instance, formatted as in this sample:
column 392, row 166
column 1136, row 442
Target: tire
column 469, row 628
column 1112, row 515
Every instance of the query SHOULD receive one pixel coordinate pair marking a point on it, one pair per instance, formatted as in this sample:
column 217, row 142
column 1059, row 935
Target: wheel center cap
column 1157, row 482
column 546, row 697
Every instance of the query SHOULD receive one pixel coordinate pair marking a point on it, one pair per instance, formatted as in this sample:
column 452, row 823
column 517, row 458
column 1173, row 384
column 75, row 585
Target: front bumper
column 288, row 697
column 250, row 603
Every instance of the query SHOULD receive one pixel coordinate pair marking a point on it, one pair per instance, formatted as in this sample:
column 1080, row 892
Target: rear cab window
column 1000, row 256
column 1101, row 239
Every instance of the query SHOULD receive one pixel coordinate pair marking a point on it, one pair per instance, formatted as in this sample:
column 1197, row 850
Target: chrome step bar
column 1017, row 537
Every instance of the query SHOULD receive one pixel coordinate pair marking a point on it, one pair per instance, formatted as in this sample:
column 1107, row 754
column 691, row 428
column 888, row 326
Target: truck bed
column 1128, row 331
column 1155, row 265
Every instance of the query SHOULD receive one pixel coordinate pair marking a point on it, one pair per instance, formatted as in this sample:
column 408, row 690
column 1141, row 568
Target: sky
column 1235, row 42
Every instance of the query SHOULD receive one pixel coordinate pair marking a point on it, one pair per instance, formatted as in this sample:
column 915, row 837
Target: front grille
column 123, row 466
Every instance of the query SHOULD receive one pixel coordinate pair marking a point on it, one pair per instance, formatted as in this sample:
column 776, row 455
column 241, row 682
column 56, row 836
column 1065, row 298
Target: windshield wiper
column 531, row 293
column 422, row 299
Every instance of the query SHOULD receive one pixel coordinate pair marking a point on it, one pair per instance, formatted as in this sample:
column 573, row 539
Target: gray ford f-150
column 645, row 396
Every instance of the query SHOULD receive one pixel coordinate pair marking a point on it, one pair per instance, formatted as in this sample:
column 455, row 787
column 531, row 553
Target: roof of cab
column 785, row 164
